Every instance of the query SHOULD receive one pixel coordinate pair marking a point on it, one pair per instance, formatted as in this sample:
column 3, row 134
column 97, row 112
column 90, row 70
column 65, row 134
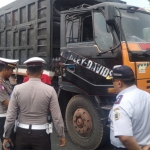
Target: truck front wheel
column 83, row 123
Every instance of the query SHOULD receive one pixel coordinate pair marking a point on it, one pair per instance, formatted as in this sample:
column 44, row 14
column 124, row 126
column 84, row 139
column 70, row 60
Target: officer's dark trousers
column 2, row 122
column 27, row 139
column 12, row 136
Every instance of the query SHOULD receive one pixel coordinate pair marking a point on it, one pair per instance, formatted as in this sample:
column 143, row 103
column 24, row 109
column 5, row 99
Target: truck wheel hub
column 82, row 122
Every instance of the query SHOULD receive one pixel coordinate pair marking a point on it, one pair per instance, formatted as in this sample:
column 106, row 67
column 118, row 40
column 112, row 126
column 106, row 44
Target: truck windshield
column 103, row 36
column 136, row 26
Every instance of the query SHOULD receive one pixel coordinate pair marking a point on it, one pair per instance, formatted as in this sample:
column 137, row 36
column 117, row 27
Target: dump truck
column 81, row 41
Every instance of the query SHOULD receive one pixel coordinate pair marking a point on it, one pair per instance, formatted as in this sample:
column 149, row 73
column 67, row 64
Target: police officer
column 6, row 70
column 32, row 101
column 130, row 115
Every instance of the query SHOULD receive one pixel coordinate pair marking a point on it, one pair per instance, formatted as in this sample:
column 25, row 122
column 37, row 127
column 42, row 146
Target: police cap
column 122, row 72
column 34, row 61
column 8, row 62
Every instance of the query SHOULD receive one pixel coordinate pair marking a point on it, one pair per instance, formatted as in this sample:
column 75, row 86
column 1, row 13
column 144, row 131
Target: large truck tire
column 83, row 123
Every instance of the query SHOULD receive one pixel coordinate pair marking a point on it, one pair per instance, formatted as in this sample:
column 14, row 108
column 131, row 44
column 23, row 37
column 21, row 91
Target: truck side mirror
column 110, row 13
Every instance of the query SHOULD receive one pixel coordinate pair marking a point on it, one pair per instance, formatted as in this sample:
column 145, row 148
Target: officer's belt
column 34, row 127
column 3, row 115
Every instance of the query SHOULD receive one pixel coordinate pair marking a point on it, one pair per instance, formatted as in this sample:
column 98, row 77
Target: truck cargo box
column 25, row 30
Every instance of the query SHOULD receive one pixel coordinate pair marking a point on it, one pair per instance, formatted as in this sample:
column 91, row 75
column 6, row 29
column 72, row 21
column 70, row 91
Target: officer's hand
column 62, row 141
column 5, row 141
column 146, row 147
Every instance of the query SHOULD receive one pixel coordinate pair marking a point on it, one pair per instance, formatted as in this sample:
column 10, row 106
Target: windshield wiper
column 146, row 53
column 110, row 50
column 132, row 9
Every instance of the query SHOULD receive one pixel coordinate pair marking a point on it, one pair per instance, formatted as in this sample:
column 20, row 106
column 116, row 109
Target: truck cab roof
column 86, row 7
column 94, row 7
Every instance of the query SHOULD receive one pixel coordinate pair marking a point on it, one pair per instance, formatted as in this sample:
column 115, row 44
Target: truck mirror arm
column 112, row 50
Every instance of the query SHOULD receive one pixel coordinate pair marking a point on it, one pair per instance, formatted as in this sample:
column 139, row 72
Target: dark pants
column 12, row 136
column 115, row 148
column 27, row 139
column 2, row 122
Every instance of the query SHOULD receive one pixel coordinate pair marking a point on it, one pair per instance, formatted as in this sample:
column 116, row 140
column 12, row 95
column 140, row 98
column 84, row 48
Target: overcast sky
column 140, row 3
column 5, row 2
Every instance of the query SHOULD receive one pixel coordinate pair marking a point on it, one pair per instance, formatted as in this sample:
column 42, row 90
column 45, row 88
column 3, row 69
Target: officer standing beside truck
column 6, row 69
column 129, row 117
column 32, row 101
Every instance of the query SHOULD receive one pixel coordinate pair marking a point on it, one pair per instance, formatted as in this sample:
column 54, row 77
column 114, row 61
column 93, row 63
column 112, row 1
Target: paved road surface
column 70, row 145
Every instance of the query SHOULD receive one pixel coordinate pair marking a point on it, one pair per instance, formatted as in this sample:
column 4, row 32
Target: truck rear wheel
column 83, row 123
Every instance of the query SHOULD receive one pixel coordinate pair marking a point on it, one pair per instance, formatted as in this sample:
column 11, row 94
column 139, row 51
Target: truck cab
column 93, row 40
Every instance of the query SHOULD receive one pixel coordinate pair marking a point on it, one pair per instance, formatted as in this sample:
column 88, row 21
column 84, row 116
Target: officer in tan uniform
column 32, row 100
column 6, row 70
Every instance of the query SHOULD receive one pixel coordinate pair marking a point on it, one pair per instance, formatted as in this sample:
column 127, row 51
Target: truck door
column 87, row 37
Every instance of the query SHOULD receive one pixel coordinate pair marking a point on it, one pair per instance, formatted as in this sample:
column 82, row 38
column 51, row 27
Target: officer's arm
column 4, row 97
column 129, row 142
column 123, row 127
column 11, row 114
column 56, row 114
column 57, row 118
column 5, row 102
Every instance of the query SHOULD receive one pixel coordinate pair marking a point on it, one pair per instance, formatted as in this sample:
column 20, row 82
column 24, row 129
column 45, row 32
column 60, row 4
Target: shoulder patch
column 2, row 88
column 119, row 99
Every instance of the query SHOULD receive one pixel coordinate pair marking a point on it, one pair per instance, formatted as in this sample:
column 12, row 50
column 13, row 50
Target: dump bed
column 25, row 30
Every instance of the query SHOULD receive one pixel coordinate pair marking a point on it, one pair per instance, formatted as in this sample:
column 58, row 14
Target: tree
column 149, row 1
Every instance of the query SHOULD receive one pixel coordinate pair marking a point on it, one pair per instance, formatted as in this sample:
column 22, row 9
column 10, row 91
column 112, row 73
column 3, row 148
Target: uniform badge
column 117, row 115
column 119, row 98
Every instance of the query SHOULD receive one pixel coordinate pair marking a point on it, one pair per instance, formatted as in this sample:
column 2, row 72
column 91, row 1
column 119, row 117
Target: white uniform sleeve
column 121, row 122
column 121, row 116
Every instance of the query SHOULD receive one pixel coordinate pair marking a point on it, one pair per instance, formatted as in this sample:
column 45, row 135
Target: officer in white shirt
column 130, row 115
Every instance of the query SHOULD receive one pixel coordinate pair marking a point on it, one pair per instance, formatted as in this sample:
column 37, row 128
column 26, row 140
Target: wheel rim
column 82, row 122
